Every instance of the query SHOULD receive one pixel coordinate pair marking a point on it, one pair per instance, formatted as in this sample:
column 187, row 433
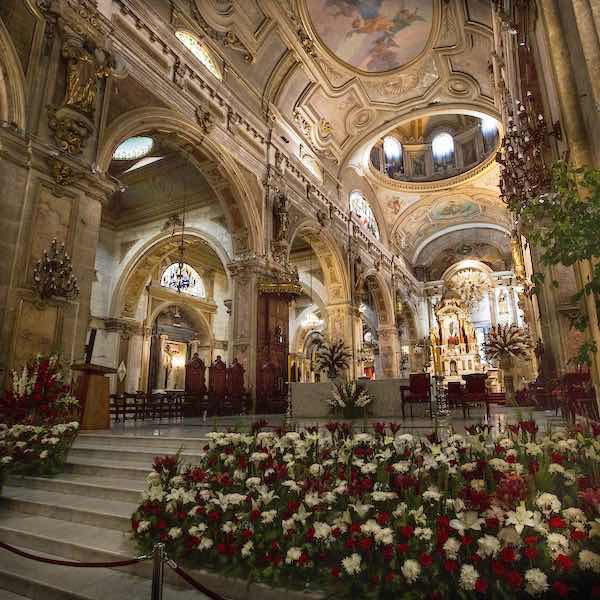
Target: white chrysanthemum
column 352, row 564
column 293, row 554
column 589, row 561
column 175, row 532
column 489, row 545
column 411, row 570
column 316, row 469
column 247, row 548
column 143, row 526
column 432, row 494
column 468, row 577
column 499, row 464
column 557, row 544
column 268, row 516
column 451, row 548
column 322, row 531
column 536, row 582
column 423, row 533
column 548, row 503
column 555, row 468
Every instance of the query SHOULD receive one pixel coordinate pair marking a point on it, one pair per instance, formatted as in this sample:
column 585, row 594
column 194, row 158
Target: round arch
column 199, row 320
column 330, row 258
column 382, row 296
column 13, row 105
column 131, row 283
column 235, row 196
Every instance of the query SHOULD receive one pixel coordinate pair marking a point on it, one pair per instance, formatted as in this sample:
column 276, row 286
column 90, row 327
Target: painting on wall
column 374, row 35
column 454, row 209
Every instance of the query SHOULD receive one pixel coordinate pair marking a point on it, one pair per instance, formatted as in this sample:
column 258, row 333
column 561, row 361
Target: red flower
column 365, row 543
column 310, row 534
column 481, row 586
column 425, row 560
column 557, row 523
column 498, row 568
column 162, row 524
column 254, row 514
column 335, row 572
column 530, row 552
column 388, row 552
column 383, row 519
column 390, row 576
column 530, row 540
column 578, row 535
column 561, row 588
column 451, row 565
column 247, row 533
column 514, row 579
column 407, row 531
column 492, row 523
column 507, row 555
column 564, row 562
column 374, row 579
column 401, row 548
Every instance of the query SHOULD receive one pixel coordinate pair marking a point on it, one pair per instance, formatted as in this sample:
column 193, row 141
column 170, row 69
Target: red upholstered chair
column 578, row 395
column 454, row 394
column 418, row 391
column 475, row 392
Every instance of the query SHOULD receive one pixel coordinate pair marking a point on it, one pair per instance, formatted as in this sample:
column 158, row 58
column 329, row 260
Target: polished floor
column 198, row 427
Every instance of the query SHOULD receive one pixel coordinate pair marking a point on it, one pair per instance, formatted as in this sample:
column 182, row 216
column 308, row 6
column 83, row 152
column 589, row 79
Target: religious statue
column 86, row 64
column 502, row 303
column 280, row 211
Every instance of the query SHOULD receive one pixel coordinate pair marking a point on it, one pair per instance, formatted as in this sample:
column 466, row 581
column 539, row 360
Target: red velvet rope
column 193, row 582
column 69, row 563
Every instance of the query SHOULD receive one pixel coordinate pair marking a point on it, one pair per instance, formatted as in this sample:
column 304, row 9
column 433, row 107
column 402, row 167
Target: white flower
column 469, row 519
column 268, row 516
column 383, row 496
column 557, row 544
column 143, row 526
column 555, row 468
column 451, row 548
column 44, row 454
column 322, row 531
column 478, row 485
column 411, row 570
column 175, row 532
column 316, row 469
column 536, row 582
column 205, row 544
column 423, row 533
column 361, row 509
column 521, row 518
column 468, row 577
column 533, row 449
column 589, row 560
column 369, row 468
column 402, row 467
column 252, row 482
column 432, row 494
column 488, row 546
column 505, row 443
column 247, row 548
column 548, row 503
column 352, row 564
column 400, row 510
column 293, row 554
column 576, row 518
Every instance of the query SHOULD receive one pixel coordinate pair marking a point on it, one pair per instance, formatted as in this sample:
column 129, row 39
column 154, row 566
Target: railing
column 159, row 558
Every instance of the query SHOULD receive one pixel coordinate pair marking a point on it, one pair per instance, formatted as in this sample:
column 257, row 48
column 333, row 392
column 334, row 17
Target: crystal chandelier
column 523, row 172
column 53, row 274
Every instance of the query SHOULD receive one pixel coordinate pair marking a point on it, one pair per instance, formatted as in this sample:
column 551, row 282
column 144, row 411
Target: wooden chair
column 418, row 391
column 454, row 394
column 475, row 392
column 236, row 393
column 116, row 407
column 217, row 384
column 578, row 396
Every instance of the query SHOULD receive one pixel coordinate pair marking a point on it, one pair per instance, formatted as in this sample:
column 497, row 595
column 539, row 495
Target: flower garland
column 387, row 515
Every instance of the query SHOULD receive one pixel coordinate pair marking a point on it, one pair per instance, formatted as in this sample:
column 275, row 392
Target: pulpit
column 93, row 395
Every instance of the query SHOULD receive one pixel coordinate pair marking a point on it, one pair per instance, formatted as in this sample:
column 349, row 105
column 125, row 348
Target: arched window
column 362, row 209
column 442, row 149
column 200, row 51
column 188, row 274
column 392, row 154
column 489, row 131
column 134, row 148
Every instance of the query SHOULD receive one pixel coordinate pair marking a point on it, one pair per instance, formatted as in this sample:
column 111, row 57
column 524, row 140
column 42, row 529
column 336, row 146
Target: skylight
column 134, row 148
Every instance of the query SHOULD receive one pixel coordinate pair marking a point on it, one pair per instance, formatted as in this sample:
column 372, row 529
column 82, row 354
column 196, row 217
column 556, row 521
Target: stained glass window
column 200, row 51
column 362, row 209
column 190, row 277
column 134, row 148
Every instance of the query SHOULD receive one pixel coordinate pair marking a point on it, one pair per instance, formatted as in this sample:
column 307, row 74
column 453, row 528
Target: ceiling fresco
column 373, row 35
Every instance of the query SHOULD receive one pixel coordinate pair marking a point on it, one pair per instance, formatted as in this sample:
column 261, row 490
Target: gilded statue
column 85, row 66
column 517, row 256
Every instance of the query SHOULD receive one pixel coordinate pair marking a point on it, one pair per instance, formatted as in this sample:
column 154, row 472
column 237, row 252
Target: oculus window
column 362, row 209
column 188, row 275
column 134, row 148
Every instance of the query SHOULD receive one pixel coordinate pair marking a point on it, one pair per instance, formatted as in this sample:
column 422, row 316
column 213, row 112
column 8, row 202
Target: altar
column 309, row 399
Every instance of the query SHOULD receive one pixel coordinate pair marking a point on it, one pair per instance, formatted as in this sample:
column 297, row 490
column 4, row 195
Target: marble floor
column 190, row 427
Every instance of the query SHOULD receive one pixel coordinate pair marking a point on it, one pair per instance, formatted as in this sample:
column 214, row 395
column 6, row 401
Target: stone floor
column 197, row 427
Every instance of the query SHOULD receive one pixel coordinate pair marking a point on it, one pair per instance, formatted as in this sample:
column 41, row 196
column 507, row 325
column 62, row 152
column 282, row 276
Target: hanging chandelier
column 523, row 173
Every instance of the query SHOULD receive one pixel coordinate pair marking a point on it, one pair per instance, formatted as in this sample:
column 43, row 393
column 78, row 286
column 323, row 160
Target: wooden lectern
column 93, row 395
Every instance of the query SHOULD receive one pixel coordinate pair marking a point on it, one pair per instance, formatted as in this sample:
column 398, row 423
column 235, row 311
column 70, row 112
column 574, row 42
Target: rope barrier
column 195, row 584
column 70, row 563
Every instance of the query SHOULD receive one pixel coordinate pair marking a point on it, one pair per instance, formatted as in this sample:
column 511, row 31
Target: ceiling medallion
column 373, row 37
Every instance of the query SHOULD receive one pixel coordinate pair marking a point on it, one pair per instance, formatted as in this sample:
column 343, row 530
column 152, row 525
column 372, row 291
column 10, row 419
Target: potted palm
column 333, row 357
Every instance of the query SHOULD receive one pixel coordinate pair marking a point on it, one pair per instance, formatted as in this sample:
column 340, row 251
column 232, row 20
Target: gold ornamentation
column 53, row 274
column 71, row 131
column 205, row 119
column 62, row 173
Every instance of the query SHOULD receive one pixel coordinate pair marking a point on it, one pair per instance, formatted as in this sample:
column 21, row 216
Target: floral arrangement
column 507, row 342
column 39, row 394
column 387, row 515
column 333, row 358
column 349, row 399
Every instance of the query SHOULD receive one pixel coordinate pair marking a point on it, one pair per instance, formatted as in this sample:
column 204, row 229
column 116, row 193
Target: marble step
column 38, row 581
column 110, row 514
column 123, row 490
column 140, row 441
column 125, row 454
column 107, row 469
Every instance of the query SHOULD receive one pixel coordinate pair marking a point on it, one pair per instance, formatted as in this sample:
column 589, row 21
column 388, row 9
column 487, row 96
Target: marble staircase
column 84, row 515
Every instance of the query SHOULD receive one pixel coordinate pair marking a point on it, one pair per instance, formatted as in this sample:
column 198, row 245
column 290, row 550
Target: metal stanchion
column 158, row 571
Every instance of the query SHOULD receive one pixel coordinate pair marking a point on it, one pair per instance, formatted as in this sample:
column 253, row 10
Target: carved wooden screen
column 195, row 377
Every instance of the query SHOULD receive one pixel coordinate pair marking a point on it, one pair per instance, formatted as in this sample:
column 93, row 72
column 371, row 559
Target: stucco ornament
column 470, row 286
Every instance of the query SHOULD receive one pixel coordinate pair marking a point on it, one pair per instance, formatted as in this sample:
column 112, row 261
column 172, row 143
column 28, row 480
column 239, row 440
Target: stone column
column 493, row 308
column 343, row 322
column 389, row 351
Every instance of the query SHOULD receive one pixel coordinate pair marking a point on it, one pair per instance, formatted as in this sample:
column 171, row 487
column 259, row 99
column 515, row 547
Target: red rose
column 530, row 552
column 382, row 519
column 335, row 572
column 254, row 514
column 388, row 552
column 564, row 562
column 514, row 579
column 507, row 555
column 451, row 565
column 407, row 531
column 481, row 586
column 578, row 535
column 557, row 523
column 492, row 523
column 336, row 532
column 365, row 543
column 562, row 589
column 443, row 521
column 221, row 548
column 247, row 533
column 425, row 560
column 530, row 540
column 162, row 524
column 401, row 548
column 498, row 568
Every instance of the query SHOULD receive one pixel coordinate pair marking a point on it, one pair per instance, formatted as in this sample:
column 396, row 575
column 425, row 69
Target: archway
column 12, row 83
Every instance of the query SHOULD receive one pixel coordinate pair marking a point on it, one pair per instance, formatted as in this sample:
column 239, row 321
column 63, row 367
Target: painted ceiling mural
column 373, row 35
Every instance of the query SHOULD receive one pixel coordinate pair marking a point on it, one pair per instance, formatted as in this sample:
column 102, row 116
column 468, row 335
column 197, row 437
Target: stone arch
column 199, row 320
column 237, row 198
column 330, row 257
column 13, row 105
column 382, row 296
column 138, row 269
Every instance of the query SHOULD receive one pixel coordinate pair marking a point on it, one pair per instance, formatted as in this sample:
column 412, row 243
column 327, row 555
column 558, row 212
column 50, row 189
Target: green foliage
column 333, row 358
column 565, row 224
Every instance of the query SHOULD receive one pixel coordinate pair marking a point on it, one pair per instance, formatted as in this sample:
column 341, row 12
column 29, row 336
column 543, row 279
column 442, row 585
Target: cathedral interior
column 201, row 200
